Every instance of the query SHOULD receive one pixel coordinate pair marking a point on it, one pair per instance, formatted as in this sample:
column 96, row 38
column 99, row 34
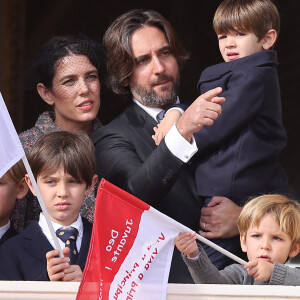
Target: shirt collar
column 77, row 224
column 152, row 111
column 4, row 228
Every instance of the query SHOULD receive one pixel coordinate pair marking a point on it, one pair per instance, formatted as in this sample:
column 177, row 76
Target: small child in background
column 237, row 156
column 12, row 187
column 64, row 166
column 269, row 229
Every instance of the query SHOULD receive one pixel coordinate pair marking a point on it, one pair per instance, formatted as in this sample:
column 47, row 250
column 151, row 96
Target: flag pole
column 42, row 204
column 16, row 152
column 220, row 249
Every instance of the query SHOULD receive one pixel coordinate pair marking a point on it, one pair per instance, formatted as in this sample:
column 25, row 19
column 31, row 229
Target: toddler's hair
column 254, row 16
column 16, row 172
column 286, row 213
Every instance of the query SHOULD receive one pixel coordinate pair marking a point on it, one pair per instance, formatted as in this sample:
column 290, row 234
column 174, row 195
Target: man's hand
column 203, row 111
column 259, row 269
column 219, row 218
column 58, row 268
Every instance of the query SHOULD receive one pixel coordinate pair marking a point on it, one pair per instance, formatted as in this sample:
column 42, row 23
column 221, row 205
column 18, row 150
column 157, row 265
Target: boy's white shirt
column 4, row 228
column 45, row 229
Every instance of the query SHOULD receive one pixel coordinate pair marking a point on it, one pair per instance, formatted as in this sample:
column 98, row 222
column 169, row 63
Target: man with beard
column 143, row 59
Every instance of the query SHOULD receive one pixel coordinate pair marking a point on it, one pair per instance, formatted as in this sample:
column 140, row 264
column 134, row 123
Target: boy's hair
column 16, row 172
column 286, row 213
column 73, row 151
column 255, row 16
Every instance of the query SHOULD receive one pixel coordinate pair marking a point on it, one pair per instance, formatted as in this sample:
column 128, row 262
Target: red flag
column 130, row 251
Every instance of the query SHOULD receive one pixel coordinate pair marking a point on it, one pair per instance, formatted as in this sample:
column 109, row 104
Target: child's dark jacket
column 11, row 232
column 23, row 257
column 237, row 155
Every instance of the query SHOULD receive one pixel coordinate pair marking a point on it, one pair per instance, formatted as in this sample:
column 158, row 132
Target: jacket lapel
column 36, row 242
column 8, row 234
column 141, row 125
column 85, row 244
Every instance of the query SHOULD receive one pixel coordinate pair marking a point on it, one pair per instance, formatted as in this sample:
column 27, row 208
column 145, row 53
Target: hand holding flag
column 131, row 249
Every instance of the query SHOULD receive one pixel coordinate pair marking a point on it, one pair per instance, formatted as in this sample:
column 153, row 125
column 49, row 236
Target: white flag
column 11, row 150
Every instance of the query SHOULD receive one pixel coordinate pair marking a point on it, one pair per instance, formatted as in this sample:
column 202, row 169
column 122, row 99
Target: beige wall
column 67, row 290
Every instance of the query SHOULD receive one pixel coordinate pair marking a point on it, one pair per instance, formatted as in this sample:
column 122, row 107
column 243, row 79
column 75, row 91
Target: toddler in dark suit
column 63, row 164
column 237, row 156
column 12, row 188
column 269, row 227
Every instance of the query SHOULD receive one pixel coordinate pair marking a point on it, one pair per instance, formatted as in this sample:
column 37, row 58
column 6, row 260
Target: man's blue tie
column 160, row 116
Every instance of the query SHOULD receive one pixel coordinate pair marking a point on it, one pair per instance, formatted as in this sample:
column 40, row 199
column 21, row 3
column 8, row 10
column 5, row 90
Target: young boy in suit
column 63, row 164
column 237, row 156
column 12, row 187
column 269, row 228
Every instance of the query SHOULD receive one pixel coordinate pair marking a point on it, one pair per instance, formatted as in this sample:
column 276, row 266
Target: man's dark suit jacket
column 8, row 234
column 237, row 155
column 128, row 157
column 23, row 257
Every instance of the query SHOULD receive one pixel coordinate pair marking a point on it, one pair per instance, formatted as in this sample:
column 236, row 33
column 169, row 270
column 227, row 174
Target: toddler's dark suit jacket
column 238, row 154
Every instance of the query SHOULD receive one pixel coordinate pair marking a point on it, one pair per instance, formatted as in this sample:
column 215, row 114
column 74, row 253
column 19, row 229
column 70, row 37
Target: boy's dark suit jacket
column 237, row 155
column 128, row 157
column 23, row 257
column 8, row 234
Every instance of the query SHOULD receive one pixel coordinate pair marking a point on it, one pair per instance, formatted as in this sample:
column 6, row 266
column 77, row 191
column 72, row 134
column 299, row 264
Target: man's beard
column 151, row 99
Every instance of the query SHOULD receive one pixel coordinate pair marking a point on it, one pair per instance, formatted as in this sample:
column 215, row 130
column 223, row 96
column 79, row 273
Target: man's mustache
column 161, row 78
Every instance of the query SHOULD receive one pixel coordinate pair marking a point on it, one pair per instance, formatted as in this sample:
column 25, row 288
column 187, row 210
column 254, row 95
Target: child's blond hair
column 16, row 172
column 286, row 213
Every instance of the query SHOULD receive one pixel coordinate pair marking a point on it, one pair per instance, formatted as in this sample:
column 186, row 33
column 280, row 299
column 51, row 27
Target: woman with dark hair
column 66, row 75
